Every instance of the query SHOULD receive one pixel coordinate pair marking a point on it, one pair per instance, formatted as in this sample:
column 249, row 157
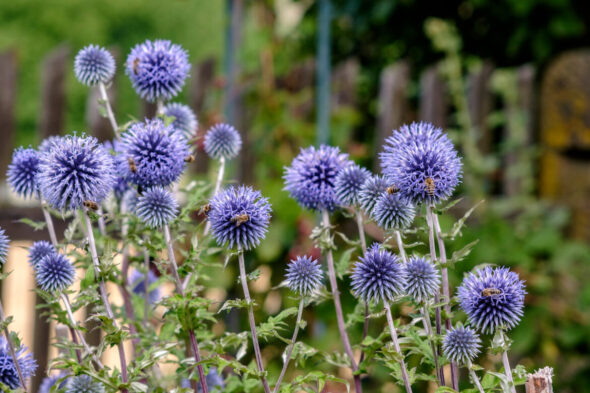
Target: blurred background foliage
column 523, row 232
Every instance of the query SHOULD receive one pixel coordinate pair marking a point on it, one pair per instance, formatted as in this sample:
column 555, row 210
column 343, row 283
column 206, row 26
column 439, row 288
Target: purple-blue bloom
column 115, row 147
column 84, row 384
column 378, row 276
column 137, row 283
column 94, row 65
column 422, row 162
column 349, row 183
column 422, row 279
column 185, row 119
column 48, row 143
column 22, row 172
column 312, row 175
column 222, row 141
column 60, row 380
column 370, row 192
column 4, row 245
column 155, row 154
column 213, row 379
column 8, row 373
column 55, row 272
column 38, row 251
column 304, row 275
column 156, row 207
column 157, row 69
column 75, row 170
column 393, row 212
column 461, row 345
column 239, row 217
column 492, row 298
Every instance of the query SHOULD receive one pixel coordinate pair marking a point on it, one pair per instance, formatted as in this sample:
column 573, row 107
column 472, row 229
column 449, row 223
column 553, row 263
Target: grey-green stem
column 400, row 246
column 12, row 351
column 474, row 377
column 363, row 240
column 430, row 333
column 291, row 345
column 506, row 363
column 110, row 115
column 49, row 222
column 393, row 333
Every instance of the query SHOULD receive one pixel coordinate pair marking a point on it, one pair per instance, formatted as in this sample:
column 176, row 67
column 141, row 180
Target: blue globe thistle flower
column 155, row 154
column 94, row 65
column 4, row 245
column 8, row 373
column 393, row 212
column 349, row 183
column 59, row 380
column 213, row 379
column 422, row 279
column 55, row 272
column 370, row 192
column 116, row 148
column 129, row 200
column 239, row 217
column 38, row 251
column 222, row 141
column 157, row 69
column 492, row 298
column 75, row 170
column 304, row 275
column 137, row 283
column 156, row 207
column 185, row 119
column 48, row 143
column 84, row 384
column 22, row 172
column 461, row 344
column 422, row 162
column 378, row 276
column 312, row 175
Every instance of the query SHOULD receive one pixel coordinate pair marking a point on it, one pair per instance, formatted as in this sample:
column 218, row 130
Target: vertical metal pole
column 323, row 74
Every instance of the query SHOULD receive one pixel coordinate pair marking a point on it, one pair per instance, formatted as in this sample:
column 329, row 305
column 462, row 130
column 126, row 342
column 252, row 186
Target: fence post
column 7, row 100
column 479, row 102
column 53, row 91
column 202, row 81
column 433, row 97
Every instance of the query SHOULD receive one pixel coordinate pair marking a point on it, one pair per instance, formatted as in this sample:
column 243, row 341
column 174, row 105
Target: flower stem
column 159, row 106
column 12, row 351
column 506, row 363
column 291, row 345
column 110, row 114
column 474, row 377
column 180, row 290
column 393, row 334
column 338, row 306
column 400, row 246
column 361, row 229
column 430, row 333
column 49, row 222
column 251, row 321
column 146, row 306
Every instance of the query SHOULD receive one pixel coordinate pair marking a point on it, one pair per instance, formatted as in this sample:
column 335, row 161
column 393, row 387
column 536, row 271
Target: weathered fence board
column 53, row 92
column 7, row 102
column 433, row 97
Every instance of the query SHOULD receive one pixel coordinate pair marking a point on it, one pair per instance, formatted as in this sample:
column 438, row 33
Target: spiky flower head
column 312, row 175
column 184, row 120
column 156, row 207
column 422, row 279
column 422, row 162
column 48, row 143
column 155, row 154
column 84, row 384
column 492, row 298
column 222, row 141
column 55, row 272
column 38, row 251
column 461, row 344
column 22, row 172
column 393, row 211
column 137, row 282
column 213, row 379
column 378, row 276
column 8, row 373
column 94, row 65
column 75, row 170
column 115, row 147
column 157, row 69
column 304, row 275
column 60, row 380
column 239, row 217
column 370, row 192
column 349, row 183
column 4, row 245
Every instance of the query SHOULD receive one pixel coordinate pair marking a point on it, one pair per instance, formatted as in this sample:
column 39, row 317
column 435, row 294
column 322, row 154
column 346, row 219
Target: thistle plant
column 462, row 344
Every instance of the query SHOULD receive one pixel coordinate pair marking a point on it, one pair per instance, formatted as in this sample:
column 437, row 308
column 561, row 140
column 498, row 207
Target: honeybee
column 90, row 205
column 487, row 292
column 132, row 165
column 240, row 219
column 189, row 158
column 135, row 65
column 392, row 189
column 205, row 209
column 429, row 185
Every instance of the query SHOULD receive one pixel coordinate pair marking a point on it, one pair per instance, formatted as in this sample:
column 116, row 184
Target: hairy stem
column 474, row 377
column 252, row 322
column 49, row 222
column 291, row 345
column 430, row 333
column 400, row 246
column 68, row 307
column 124, row 285
column 12, row 351
column 146, row 306
column 506, row 363
column 361, row 229
column 110, row 114
column 393, row 334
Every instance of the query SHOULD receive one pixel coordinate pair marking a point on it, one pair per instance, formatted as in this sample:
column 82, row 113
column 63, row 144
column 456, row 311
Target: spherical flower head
column 312, row 175
column 8, row 373
column 461, row 345
column 349, row 183
column 392, row 211
column 422, row 162
column 492, row 298
column 115, row 147
column 84, row 384
column 156, row 207
column 378, row 276
column 4, row 245
column 155, row 154
column 422, row 279
column 38, row 251
column 22, row 172
column 48, row 143
column 75, row 170
column 370, row 192
column 59, row 380
column 129, row 201
column 213, row 379
column 55, row 272
column 222, row 141
column 184, row 119
column 94, row 65
column 304, row 275
column 137, row 283
column 157, row 69
column 239, row 217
